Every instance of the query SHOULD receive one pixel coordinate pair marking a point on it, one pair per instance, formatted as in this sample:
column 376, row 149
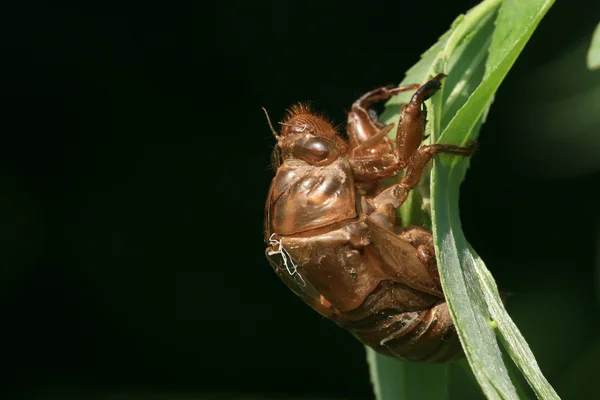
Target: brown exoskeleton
column 332, row 232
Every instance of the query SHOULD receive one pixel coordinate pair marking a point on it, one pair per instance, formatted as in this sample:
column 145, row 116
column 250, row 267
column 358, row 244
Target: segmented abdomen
column 413, row 335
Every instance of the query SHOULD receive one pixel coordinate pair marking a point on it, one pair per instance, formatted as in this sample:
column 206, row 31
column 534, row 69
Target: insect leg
column 422, row 240
column 363, row 128
column 413, row 118
column 397, row 194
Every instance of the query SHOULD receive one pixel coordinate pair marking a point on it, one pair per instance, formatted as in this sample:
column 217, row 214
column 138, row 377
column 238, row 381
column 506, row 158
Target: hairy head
column 301, row 119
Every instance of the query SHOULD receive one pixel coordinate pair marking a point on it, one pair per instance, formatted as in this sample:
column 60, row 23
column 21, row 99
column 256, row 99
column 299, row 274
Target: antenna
column 271, row 125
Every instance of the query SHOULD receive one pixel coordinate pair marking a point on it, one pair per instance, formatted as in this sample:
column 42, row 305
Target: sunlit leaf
column 469, row 287
column 593, row 56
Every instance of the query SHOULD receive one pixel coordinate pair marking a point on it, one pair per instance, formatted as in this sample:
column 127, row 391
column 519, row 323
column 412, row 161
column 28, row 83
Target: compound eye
column 316, row 151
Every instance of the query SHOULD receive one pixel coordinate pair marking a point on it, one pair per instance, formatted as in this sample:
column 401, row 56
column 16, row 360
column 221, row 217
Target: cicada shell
column 333, row 235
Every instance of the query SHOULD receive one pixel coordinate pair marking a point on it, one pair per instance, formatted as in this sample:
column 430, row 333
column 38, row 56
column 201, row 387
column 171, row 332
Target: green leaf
column 470, row 37
column 476, row 54
column 395, row 379
column 470, row 289
column 593, row 56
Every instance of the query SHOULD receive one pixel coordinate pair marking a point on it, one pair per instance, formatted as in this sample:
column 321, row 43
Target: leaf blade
column 394, row 379
column 432, row 60
column 458, row 115
column 464, row 276
column 593, row 55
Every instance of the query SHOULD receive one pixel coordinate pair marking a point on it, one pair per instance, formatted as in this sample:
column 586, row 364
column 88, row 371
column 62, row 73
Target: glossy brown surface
column 332, row 232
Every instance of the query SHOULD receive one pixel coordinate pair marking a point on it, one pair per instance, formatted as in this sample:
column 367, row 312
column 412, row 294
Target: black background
column 134, row 166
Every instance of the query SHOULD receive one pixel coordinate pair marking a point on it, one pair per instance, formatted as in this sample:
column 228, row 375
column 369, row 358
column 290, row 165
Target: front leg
column 372, row 155
column 413, row 119
column 409, row 153
column 363, row 128
column 396, row 195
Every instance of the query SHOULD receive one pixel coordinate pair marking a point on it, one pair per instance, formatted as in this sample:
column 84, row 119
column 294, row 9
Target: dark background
column 134, row 166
